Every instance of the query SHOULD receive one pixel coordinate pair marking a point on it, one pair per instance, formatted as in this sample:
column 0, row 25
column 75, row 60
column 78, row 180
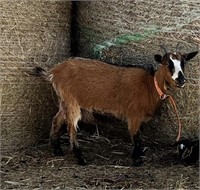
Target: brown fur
column 127, row 93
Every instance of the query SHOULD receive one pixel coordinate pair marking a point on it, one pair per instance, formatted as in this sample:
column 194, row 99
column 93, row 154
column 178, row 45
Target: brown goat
column 128, row 93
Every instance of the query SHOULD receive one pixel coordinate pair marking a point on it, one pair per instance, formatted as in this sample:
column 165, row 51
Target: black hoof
column 82, row 162
column 79, row 156
column 55, row 144
column 58, row 152
column 137, row 157
column 137, row 162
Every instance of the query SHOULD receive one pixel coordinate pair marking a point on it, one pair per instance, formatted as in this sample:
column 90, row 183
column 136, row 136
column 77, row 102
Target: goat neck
column 160, row 80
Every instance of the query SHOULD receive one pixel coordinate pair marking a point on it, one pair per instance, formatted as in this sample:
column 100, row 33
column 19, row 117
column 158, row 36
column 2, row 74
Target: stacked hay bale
column 130, row 32
column 32, row 33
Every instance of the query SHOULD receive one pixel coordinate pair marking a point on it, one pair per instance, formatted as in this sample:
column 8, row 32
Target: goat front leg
column 136, row 152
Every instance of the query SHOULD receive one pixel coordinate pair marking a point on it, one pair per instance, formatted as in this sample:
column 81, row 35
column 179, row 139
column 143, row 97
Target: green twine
column 120, row 40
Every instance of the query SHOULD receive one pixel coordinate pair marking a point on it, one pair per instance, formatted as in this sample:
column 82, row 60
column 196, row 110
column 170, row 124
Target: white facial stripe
column 177, row 68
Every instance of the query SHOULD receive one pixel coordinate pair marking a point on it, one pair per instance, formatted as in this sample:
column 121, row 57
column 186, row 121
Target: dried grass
column 129, row 32
column 32, row 33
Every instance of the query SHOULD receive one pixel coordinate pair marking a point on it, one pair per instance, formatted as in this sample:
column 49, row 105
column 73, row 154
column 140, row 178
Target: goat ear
column 189, row 56
column 158, row 58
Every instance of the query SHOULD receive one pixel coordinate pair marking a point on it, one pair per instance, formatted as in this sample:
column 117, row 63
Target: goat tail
column 38, row 72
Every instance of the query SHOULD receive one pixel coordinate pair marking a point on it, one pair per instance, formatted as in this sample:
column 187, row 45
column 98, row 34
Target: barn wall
column 32, row 33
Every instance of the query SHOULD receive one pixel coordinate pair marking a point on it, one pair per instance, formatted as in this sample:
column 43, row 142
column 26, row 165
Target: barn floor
column 109, row 167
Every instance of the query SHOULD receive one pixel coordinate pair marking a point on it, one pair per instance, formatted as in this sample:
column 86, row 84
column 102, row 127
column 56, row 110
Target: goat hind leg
column 74, row 115
column 55, row 133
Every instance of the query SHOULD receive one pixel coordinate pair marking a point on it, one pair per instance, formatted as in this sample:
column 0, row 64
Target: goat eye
column 171, row 66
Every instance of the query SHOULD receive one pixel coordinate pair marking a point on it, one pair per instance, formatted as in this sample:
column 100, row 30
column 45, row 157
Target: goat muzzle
column 181, row 80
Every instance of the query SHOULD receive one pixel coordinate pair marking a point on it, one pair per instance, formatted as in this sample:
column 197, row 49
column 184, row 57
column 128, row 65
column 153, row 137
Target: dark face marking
column 171, row 66
column 180, row 79
column 183, row 64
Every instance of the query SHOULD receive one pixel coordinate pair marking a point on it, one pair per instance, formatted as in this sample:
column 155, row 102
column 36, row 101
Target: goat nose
column 180, row 82
column 181, row 79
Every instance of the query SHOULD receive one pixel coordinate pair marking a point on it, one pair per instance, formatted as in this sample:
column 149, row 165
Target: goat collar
column 161, row 94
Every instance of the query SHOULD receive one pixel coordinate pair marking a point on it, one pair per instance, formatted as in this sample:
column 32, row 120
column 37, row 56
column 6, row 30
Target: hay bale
column 127, row 32
column 32, row 33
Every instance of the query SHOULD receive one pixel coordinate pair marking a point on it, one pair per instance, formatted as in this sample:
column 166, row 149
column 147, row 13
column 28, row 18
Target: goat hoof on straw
column 137, row 162
column 82, row 162
column 56, row 148
column 137, row 157
column 58, row 152
column 79, row 156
